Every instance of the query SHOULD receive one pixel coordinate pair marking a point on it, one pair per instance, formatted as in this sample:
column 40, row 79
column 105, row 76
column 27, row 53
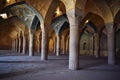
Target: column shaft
column 74, row 20
column 111, row 44
column 96, row 45
column 16, row 46
column 19, row 48
column 38, row 39
column 64, row 45
column 54, row 46
column 31, row 44
column 24, row 45
column 58, row 45
column 44, row 50
column 13, row 45
column 74, row 43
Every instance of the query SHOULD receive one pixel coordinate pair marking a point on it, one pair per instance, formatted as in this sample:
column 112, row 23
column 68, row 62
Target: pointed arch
column 91, row 25
column 63, row 27
column 24, row 11
column 95, row 19
column 60, row 22
column 103, row 10
column 34, row 23
column 51, row 11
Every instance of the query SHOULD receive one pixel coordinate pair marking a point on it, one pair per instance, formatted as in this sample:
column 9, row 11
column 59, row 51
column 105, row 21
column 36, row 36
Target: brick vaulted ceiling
column 98, row 11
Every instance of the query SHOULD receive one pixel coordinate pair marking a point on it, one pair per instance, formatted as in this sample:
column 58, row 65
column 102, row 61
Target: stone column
column 31, row 38
column 111, row 43
column 64, row 45
column 92, row 45
column 13, row 45
column 67, row 45
column 44, row 49
column 40, row 45
column 24, row 44
column 19, row 48
column 58, row 45
column 12, row 48
column 97, row 46
column 16, row 44
column 54, row 45
column 74, row 20
column 38, row 40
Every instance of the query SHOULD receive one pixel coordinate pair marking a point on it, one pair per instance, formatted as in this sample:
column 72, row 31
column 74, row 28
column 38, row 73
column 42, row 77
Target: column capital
column 75, row 13
column 74, row 17
column 111, row 42
column 109, row 25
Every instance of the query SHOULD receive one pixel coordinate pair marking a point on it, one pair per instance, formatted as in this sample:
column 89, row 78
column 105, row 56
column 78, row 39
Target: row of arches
column 70, row 25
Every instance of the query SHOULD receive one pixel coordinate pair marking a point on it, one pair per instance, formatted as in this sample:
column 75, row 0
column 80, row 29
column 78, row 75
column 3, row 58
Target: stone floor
column 14, row 66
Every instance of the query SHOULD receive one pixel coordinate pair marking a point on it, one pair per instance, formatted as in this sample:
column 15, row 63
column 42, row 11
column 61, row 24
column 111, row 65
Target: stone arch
column 28, row 15
column 58, row 23
column 11, row 26
column 37, row 35
column 35, row 22
column 23, row 8
column 63, row 27
column 50, row 13
column 103, row 11
column 91, row 25
column 93, row 19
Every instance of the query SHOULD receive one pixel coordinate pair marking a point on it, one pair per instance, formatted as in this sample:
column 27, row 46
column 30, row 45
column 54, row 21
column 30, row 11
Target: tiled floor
column 23, row 67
